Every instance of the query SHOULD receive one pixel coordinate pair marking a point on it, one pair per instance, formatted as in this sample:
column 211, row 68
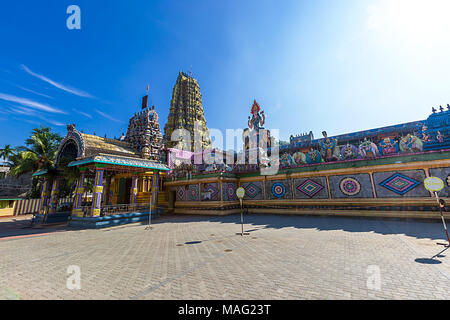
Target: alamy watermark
column 74, row 20
column 73, row 281
column 259, row 147
column 373, row 277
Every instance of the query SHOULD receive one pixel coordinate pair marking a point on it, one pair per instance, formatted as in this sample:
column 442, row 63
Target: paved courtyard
column 192, row 257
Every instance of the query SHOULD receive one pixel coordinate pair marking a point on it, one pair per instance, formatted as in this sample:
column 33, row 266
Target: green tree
column 7, row 152
column 38, row 153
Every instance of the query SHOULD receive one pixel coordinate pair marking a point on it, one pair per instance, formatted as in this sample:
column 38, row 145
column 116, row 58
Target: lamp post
column 434, row 184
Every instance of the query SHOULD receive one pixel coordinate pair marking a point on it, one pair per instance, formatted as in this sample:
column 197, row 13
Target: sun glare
column 416, row 21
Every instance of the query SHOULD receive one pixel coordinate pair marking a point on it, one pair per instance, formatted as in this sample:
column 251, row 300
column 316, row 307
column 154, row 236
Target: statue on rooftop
column 258, row 119
column 410, row 143
column 388, row 146
column 328, row 148
column 368, row 149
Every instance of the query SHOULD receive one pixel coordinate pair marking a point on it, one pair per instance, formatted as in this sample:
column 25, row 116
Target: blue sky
column 339, row 66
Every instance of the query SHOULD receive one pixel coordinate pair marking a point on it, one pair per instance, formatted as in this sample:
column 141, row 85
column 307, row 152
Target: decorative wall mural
column 210, row 191
column 180, row 193
column 448, row 180
column 193, row 192
column 310, row 188
column 252, row 190
column 399, row 183
column 278, row 190
column 350, row 186
column 229, row 190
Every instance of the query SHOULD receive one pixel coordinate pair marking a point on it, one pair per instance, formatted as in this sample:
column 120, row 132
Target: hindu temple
column 375, row 172
column 186, row 110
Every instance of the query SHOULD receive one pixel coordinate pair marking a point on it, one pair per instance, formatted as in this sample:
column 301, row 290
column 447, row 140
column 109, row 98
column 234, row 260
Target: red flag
column 147, row 87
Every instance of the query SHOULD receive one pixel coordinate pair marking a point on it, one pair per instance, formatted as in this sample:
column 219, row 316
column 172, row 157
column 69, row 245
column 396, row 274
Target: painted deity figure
column 368, row 149
column 388, row 146
column 299, row 158
column 349, row 152
column 440, row 137
column 313, row 156
column 425, row 135
column 329, row 149
column 285, row 160
column 258, row 119
column 411, row 143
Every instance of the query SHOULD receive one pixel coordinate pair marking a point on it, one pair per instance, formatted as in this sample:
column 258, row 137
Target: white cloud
column 22, row 110
column 30, row 103
column 83, row 113
column 107, row 116
column 38, row 93
column 58, row 85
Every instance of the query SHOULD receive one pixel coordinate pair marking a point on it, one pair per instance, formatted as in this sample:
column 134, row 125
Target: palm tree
column 39, row 152
column 7, row 152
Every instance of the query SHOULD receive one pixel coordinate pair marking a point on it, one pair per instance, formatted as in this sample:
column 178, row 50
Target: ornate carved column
column 155, row 189
column 79, row 191
column 45, row 193
column 106, row 195
column 134, row 189
column 98, row 191
column 54, row 195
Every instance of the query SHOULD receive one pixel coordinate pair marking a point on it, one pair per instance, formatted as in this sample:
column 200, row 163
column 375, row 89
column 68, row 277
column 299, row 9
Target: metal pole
column 242, row 218
column 150, row 209
column 442, row 217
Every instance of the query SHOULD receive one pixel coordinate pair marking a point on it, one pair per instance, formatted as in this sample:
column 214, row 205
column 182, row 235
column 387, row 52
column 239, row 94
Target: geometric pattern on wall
column 252, row 190
column 350, row 186
column 399, row 183
column 180, row 193
column 229, row 191
column 448, row 180
column 278, row 190
column 213, row 191
column 310, row 188
column 193, row 192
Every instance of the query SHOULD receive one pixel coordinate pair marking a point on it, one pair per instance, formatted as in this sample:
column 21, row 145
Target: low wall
column 381, row 187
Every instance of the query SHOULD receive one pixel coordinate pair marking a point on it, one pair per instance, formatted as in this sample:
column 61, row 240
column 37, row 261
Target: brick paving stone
column 284, row 257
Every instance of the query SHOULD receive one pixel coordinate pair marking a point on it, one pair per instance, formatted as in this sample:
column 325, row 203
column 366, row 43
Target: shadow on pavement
column 20, row 226
column 420, row 229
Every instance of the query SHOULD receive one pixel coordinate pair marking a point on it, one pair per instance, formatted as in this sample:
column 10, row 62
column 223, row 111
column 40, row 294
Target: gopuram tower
column 186, row 112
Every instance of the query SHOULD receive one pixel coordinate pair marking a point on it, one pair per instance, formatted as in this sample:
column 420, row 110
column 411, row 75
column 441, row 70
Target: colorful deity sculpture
column 368, row 149
column 264, row 159
column 388, row 146
column 328, row 148
column 440, row 137
column 425, row 135
column 285, row 160
column 411, row 143
column 258, row 119
column 313, row 156
column 298, row 158
column 348, row 152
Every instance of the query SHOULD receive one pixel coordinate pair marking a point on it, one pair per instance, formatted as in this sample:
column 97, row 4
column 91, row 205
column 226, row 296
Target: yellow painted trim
column 204, row 204
column 352, row 213
column 346, row 202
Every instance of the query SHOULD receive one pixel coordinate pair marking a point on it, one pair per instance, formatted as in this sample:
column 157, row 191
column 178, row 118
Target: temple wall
column 394, row 190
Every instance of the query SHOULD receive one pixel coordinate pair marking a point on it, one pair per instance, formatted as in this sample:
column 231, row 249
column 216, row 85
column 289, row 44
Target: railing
column 122, row 208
